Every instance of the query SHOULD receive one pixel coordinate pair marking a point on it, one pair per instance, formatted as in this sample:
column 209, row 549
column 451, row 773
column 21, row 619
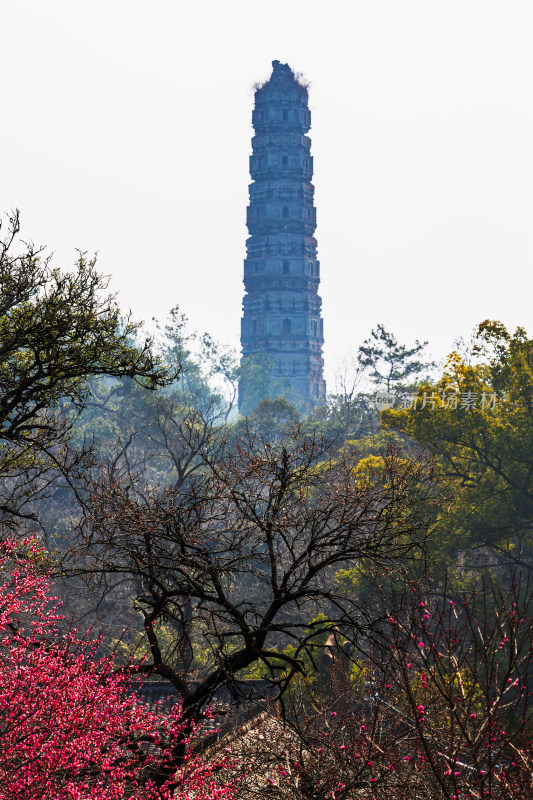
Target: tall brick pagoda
column 281, row 305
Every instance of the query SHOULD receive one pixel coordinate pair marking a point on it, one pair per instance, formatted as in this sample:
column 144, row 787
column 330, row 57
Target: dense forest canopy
column 388, row 529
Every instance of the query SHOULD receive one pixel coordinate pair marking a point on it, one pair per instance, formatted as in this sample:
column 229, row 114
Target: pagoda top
column 280, row 71
column 283, row 77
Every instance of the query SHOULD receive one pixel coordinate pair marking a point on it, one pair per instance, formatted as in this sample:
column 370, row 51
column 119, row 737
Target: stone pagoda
column 281, row 305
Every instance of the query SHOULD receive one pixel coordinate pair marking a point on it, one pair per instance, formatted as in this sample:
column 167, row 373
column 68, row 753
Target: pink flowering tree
column 459, row 668
column 71, row 727
column 443, row 712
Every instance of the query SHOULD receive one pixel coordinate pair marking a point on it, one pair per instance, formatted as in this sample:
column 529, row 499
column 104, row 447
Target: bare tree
column 349, row 407
column 240, row 557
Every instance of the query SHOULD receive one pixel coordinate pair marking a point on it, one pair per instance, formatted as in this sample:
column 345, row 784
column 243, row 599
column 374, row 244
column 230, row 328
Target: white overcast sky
column 125, row 129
